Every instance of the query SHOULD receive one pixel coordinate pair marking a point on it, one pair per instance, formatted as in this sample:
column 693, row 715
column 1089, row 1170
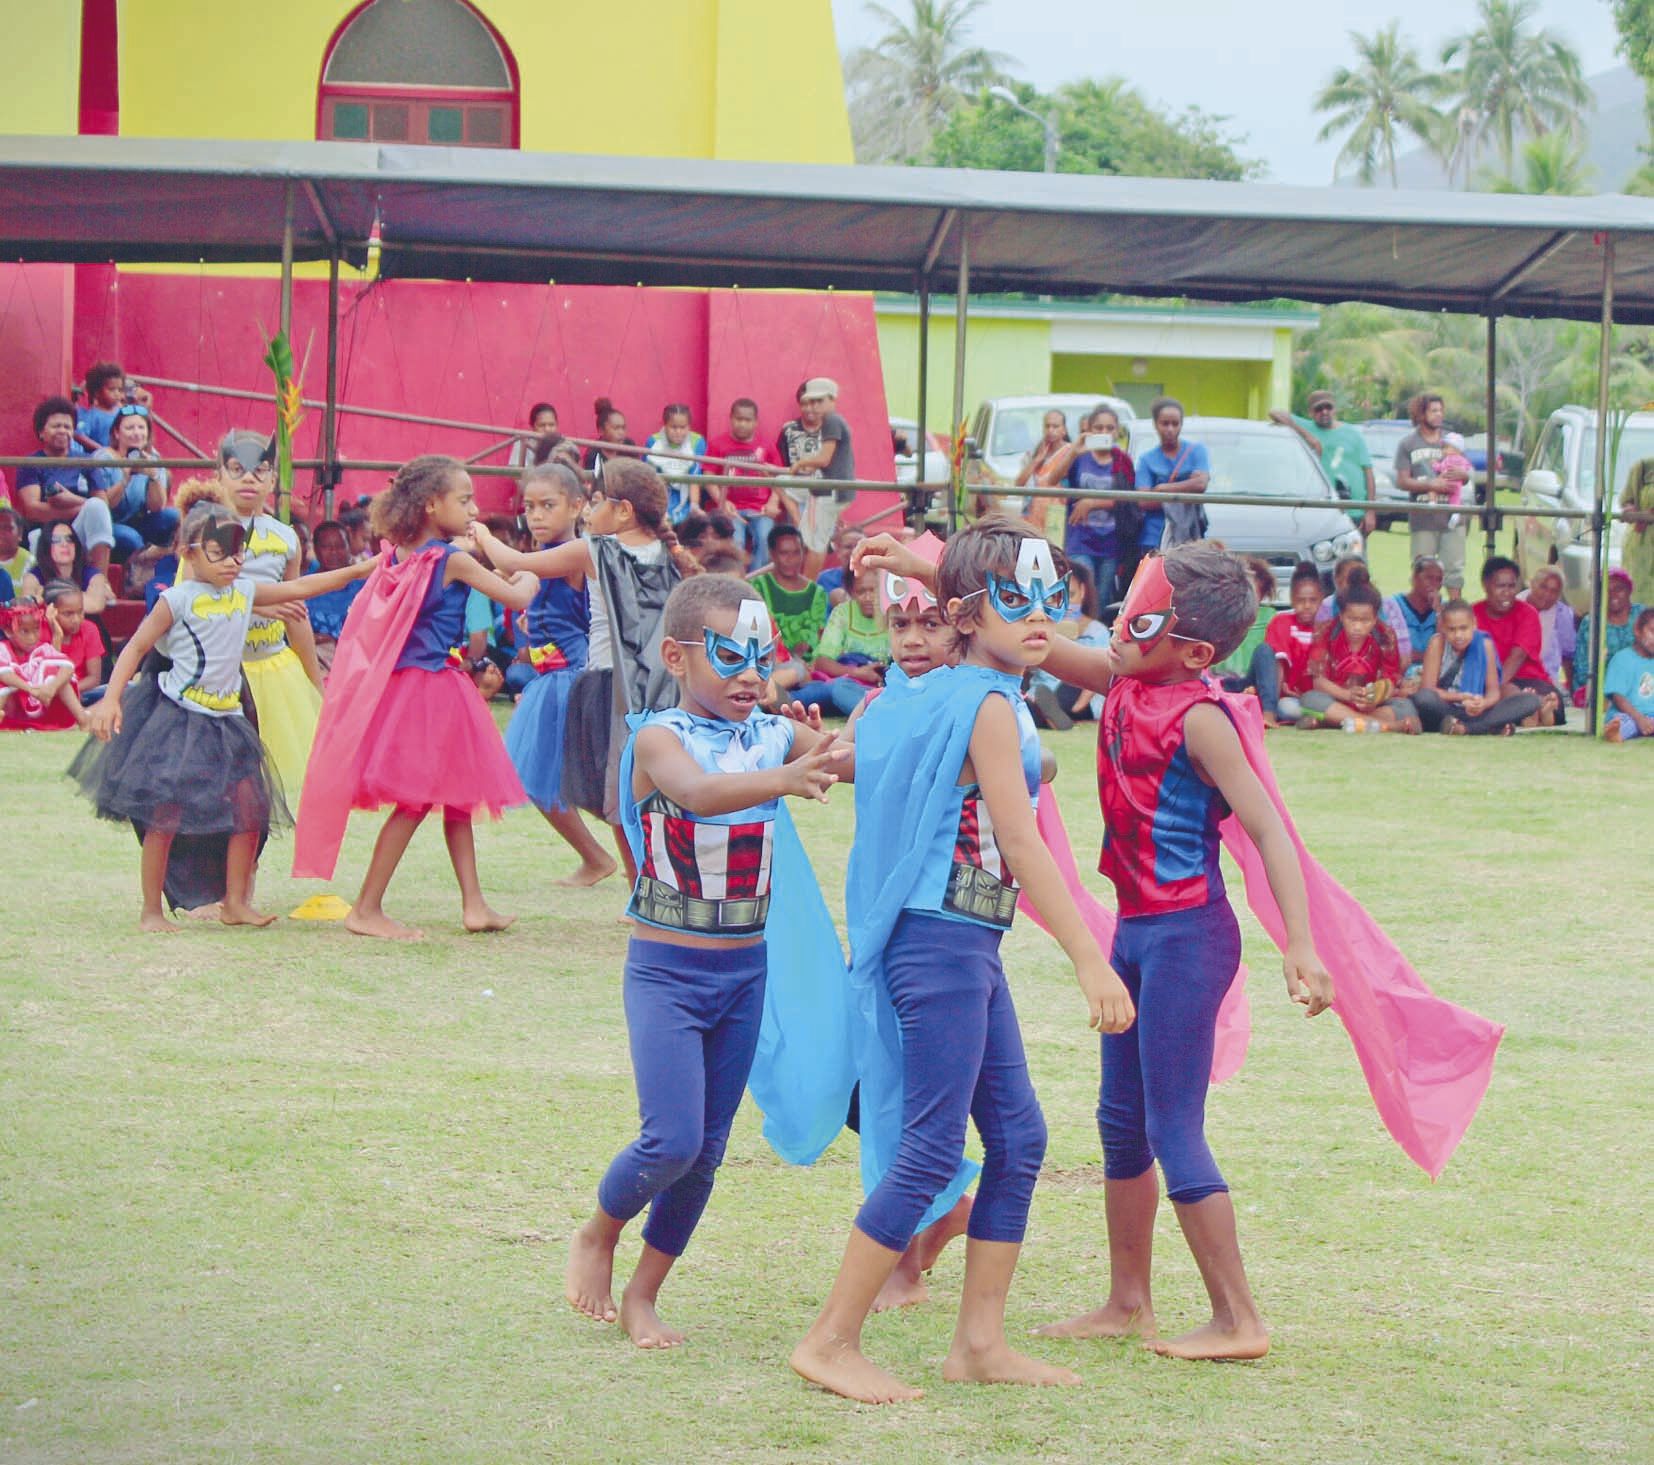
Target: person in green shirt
column 852, row 651
column 797, row 604
column 1343, row 453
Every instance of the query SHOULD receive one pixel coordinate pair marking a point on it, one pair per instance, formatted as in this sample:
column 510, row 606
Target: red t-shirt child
column 1334, row 658
column 1291, row 641
column 81, row 647
column 1520, row 627
column 739, row 496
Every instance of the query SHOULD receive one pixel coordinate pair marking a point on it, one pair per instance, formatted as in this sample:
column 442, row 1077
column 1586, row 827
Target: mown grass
column 288, row 1195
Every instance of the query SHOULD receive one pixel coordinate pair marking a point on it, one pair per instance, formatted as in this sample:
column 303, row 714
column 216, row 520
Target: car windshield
column 1382, row 441
column 1635, row 444
column 1253, row 461
column 1017, row 429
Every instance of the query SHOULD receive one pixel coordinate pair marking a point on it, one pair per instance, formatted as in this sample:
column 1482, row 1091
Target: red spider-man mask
column 1146, row 614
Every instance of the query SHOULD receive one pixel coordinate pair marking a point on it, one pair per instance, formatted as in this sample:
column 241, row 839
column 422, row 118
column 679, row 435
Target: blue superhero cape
column 804, row 1068
column 910, row 745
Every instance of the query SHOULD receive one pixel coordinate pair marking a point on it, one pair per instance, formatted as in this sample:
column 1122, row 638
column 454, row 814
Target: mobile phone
column 1099, row 442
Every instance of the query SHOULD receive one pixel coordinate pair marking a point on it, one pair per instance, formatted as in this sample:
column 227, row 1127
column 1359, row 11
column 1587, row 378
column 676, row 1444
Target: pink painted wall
column 35, row 315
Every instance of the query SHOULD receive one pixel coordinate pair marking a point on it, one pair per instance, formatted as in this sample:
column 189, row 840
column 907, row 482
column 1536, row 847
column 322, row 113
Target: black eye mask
column 222, row 541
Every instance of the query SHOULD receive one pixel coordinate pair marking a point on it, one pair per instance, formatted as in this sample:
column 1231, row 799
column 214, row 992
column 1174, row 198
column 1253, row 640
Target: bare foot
column 156, row 924
column 1111, row 1320
column 234, row 913
column 1217, row 1344
column 588, row 875
column 1002, row 1364
column 643, row 1325
column 380, row 925
column 939, row 1233
column 841, row 1369
column 904, row 1287
column 589, row 1281
column 212, row 912
column 482, row 918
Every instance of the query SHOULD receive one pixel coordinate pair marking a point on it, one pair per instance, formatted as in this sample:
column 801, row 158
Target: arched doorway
column 418, row 71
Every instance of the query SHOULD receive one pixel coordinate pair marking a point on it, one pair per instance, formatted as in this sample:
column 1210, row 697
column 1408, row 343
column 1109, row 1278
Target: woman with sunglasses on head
column 283, row 673
column 136, row 493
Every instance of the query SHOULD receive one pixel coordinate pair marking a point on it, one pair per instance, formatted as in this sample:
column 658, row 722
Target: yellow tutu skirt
column 288, row 706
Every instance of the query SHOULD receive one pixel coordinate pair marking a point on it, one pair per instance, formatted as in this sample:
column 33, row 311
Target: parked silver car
column 1263, row 459
column 1005, row 428
column 1562, row 474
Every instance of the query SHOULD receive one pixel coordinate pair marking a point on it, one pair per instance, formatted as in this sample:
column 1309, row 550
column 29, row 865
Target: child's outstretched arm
column 660, row 760
column 557, row 563
column 106, row 716
column 517, row 592
column 997, row 762
column 1218, row 754
column 306, row 586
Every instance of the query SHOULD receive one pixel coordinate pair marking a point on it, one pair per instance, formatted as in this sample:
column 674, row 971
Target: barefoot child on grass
column 180, row 758
column 701, row 784
column 401, row 722
column 948, row 768
column 559, row 623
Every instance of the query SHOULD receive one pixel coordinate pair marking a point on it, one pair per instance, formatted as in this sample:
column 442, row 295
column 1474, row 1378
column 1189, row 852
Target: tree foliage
column 1386, row 94
column 1553, row 164
column 1635, row 21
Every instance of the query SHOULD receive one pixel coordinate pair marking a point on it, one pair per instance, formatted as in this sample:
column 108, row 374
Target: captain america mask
column 1035, row 586
column 751, row 645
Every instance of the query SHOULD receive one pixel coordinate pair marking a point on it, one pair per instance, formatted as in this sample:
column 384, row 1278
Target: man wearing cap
column 1343, row 453
column 816, row 444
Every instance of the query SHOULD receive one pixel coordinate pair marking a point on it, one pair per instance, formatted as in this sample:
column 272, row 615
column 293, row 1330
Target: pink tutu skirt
column 433, row 744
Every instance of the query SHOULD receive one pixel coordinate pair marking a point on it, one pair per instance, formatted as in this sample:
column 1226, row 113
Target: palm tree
column 902, row 87
column 1552, row 163
column 1387, row 94
column 1515, row 78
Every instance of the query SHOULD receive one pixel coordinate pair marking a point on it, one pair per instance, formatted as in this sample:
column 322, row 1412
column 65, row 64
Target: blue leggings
column 692, row 1016
column 961, row 1058
column 1177, row 968
column 842, row 695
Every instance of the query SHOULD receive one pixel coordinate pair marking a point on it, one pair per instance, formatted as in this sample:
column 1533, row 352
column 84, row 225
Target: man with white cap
column 816, row 444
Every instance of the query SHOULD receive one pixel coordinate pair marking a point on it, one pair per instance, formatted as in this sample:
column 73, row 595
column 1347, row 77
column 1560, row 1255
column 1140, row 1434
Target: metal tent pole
column 330, row 409
column 1490, row 518
column 1599, row 609
column 920, row 453
column 961, row 309
column 284, row 508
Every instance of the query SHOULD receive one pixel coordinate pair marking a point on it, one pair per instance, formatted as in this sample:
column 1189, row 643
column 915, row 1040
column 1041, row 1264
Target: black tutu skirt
column 587, row 728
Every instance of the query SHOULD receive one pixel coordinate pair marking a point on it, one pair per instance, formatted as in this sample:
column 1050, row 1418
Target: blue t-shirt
column 96, row 423
column 166, row 573
column 1093, row 535
column 1154, row 468
column 328, row 610
column 831, row 580
column 53, row 481
column 1631, row 675
column 7, row 592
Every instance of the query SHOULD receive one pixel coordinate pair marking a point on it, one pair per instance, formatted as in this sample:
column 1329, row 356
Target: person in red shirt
column 1518, row 637
column 76, row 637
column 756, row 509
column 1354, row 665
column 1290, row 636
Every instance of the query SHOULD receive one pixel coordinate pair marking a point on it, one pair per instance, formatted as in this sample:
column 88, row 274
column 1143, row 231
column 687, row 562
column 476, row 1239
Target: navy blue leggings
column 962, row 1059
column 692, row 1016
column 1177, row 968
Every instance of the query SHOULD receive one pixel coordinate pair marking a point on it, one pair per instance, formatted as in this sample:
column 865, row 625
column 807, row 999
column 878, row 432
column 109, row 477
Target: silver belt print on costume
column 661, row 905
column 974, row 892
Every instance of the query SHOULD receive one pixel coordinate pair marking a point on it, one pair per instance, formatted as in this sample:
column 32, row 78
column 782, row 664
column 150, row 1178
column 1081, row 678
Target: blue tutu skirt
column 536, row 735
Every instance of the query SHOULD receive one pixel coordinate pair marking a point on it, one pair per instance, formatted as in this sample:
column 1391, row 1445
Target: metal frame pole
column 1599, row 609
column 330, row 409
column 961, row 309
column 1490, row 516
column 284, row 507
column 921, row 448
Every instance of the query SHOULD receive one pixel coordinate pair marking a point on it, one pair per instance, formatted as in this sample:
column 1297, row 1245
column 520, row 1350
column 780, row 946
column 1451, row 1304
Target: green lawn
column 290, row 1195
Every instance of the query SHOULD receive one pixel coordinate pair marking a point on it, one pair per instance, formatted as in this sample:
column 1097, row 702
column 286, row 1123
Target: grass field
column 291, row 1195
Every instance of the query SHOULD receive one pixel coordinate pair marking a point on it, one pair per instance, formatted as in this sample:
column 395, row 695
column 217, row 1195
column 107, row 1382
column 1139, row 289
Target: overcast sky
column 1258, row 64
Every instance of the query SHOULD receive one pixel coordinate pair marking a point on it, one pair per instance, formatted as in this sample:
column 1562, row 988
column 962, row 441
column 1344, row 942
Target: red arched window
column 420, row 71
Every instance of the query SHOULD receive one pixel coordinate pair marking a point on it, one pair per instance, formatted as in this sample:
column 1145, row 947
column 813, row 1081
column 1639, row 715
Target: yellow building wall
column 40, row 92
column 1003, row 358
column 751, row 79
column 1206, row 388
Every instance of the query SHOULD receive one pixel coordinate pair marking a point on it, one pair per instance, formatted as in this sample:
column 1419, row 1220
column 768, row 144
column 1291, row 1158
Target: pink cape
column 1234, row 1023
column 375, row 631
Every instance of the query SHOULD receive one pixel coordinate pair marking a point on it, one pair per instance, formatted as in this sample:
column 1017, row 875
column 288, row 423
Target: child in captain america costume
column 701, row 786
column 947, row 773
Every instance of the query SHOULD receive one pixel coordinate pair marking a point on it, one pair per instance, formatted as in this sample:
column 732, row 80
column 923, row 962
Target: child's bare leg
column 367, row 917
column 1236, row 1330
column 237, row 909
column 939, row 1233
column 637, row 1303
column 627, row 863
column 70, row 698
column 595, row 865
column 830, row 1353
column 589, row 1281
column 462, row 850
column 980, row 1353
column 906, row 1286
column 1130, row 1206
column 152, row 875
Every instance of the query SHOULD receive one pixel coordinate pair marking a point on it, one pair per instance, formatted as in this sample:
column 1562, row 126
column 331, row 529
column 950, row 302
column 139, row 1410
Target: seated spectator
column 1516, row 634
column 1291, row 636
column 1619, row 627
column 611, row 431
column 1355, row 668
column 665, row 450
column 14, row 554
column 852, row 652
column 1055, row 704
column 1351, row 569
column 1556, row 623
column 845, row 539
column 724, row 562
column 1460, row 692
column 1629, row 683
column 542, row 422
column 76, row 637
column 1252, row 666
column 757, row 507
column 554, row 447
column 489, row 627
column 106, row 393
column 136, row 494
column 704, row 533
column 328, row 612
column 486, row 676
column 63, row 558
column 37, row 681
column 797, row 604
column 1412, row 615
column 355, row 522
column 47, row 496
